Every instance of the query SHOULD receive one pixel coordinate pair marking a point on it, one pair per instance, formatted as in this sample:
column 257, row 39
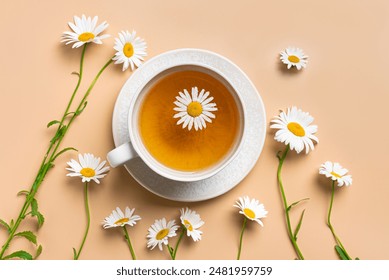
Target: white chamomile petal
column 195, row 108
column 336, row 172
column 84, row 31
column 130, row 50
column 294, row 129
column 251, row 209
column 88, row 168
column 118, row 219
column 192, row 222
column 294, row 57
column 160, row 232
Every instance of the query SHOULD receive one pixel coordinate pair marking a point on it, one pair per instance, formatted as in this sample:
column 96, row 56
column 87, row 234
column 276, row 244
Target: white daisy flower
column 130, row 50
column 336, row 172
column 84, row 31
column 294, row 57
column 194, row 109
column 88, row 168
column 192, row 222
column 295, row 129
column 118, row 219
column 251, row 209
column 160, row 232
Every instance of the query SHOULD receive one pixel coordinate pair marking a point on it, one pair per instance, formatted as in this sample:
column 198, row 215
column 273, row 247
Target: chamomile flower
column 130, row 50
column 192, row 222
column 251, row 209
column 88, row 168
column 336, row 172
column 194, row 109
column 294, row 57
column 160, row 232
column 84, row 31
column 118, row 219
column 295, row 129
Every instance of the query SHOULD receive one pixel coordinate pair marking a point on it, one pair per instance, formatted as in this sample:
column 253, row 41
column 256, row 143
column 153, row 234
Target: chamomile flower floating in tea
column 130, row 50
column 84, row 31
column 192, row 222
column 118, row 219
column 295, row 129
column 160, row 232
column 252, row 210
column 294, row 57
column 337, row 174
column 194, row 110
column 88, row 168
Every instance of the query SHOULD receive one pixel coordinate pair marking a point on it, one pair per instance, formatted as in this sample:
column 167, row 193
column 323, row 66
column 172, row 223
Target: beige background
column 345, row 87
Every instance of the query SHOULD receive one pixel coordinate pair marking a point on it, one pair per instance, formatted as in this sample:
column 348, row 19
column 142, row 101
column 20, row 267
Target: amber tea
column 177, row 147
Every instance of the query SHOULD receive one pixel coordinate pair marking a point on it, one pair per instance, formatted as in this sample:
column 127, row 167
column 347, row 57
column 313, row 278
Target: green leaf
column 63, row 151
column 11, row 224
column 296, row 231
column 35, row 212
column 19, row 254
column 38, row 252
column 341, row 253
column 52, row 123
column 295, row 203
column 3, row 223
column 74, row 254
column 23, row 192
column 79, row 111
column 40, row 218
column 30, row 236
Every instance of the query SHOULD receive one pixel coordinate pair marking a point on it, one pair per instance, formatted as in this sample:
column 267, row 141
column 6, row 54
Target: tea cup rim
column 176, row 61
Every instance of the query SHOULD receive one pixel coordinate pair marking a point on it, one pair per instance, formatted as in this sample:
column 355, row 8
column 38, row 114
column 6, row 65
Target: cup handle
column 120, row 155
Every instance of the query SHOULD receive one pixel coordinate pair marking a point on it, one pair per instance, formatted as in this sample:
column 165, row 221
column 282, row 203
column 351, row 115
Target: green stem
column 178, row 241
column 81, row 104
column 129, row 242
column 70, row 101
column 44, row 167
column 170, row 249
column 241, row 238
column 77, row 86
column 88, row 221
column 285, row 202
column 329, row 221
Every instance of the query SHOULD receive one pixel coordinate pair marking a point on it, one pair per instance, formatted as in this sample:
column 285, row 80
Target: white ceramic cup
column 135, row 148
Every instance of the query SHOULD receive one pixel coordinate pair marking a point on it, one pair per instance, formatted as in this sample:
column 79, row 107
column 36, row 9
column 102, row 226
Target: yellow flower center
column 128, row 50
column 293, row 59
column 87, row 172
column 249, row 213
column 296, row 129
column 121, row 221
column 188, row 225
column 194, row 109
column 162, row 234
column 86, row 36
column 335, row 174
